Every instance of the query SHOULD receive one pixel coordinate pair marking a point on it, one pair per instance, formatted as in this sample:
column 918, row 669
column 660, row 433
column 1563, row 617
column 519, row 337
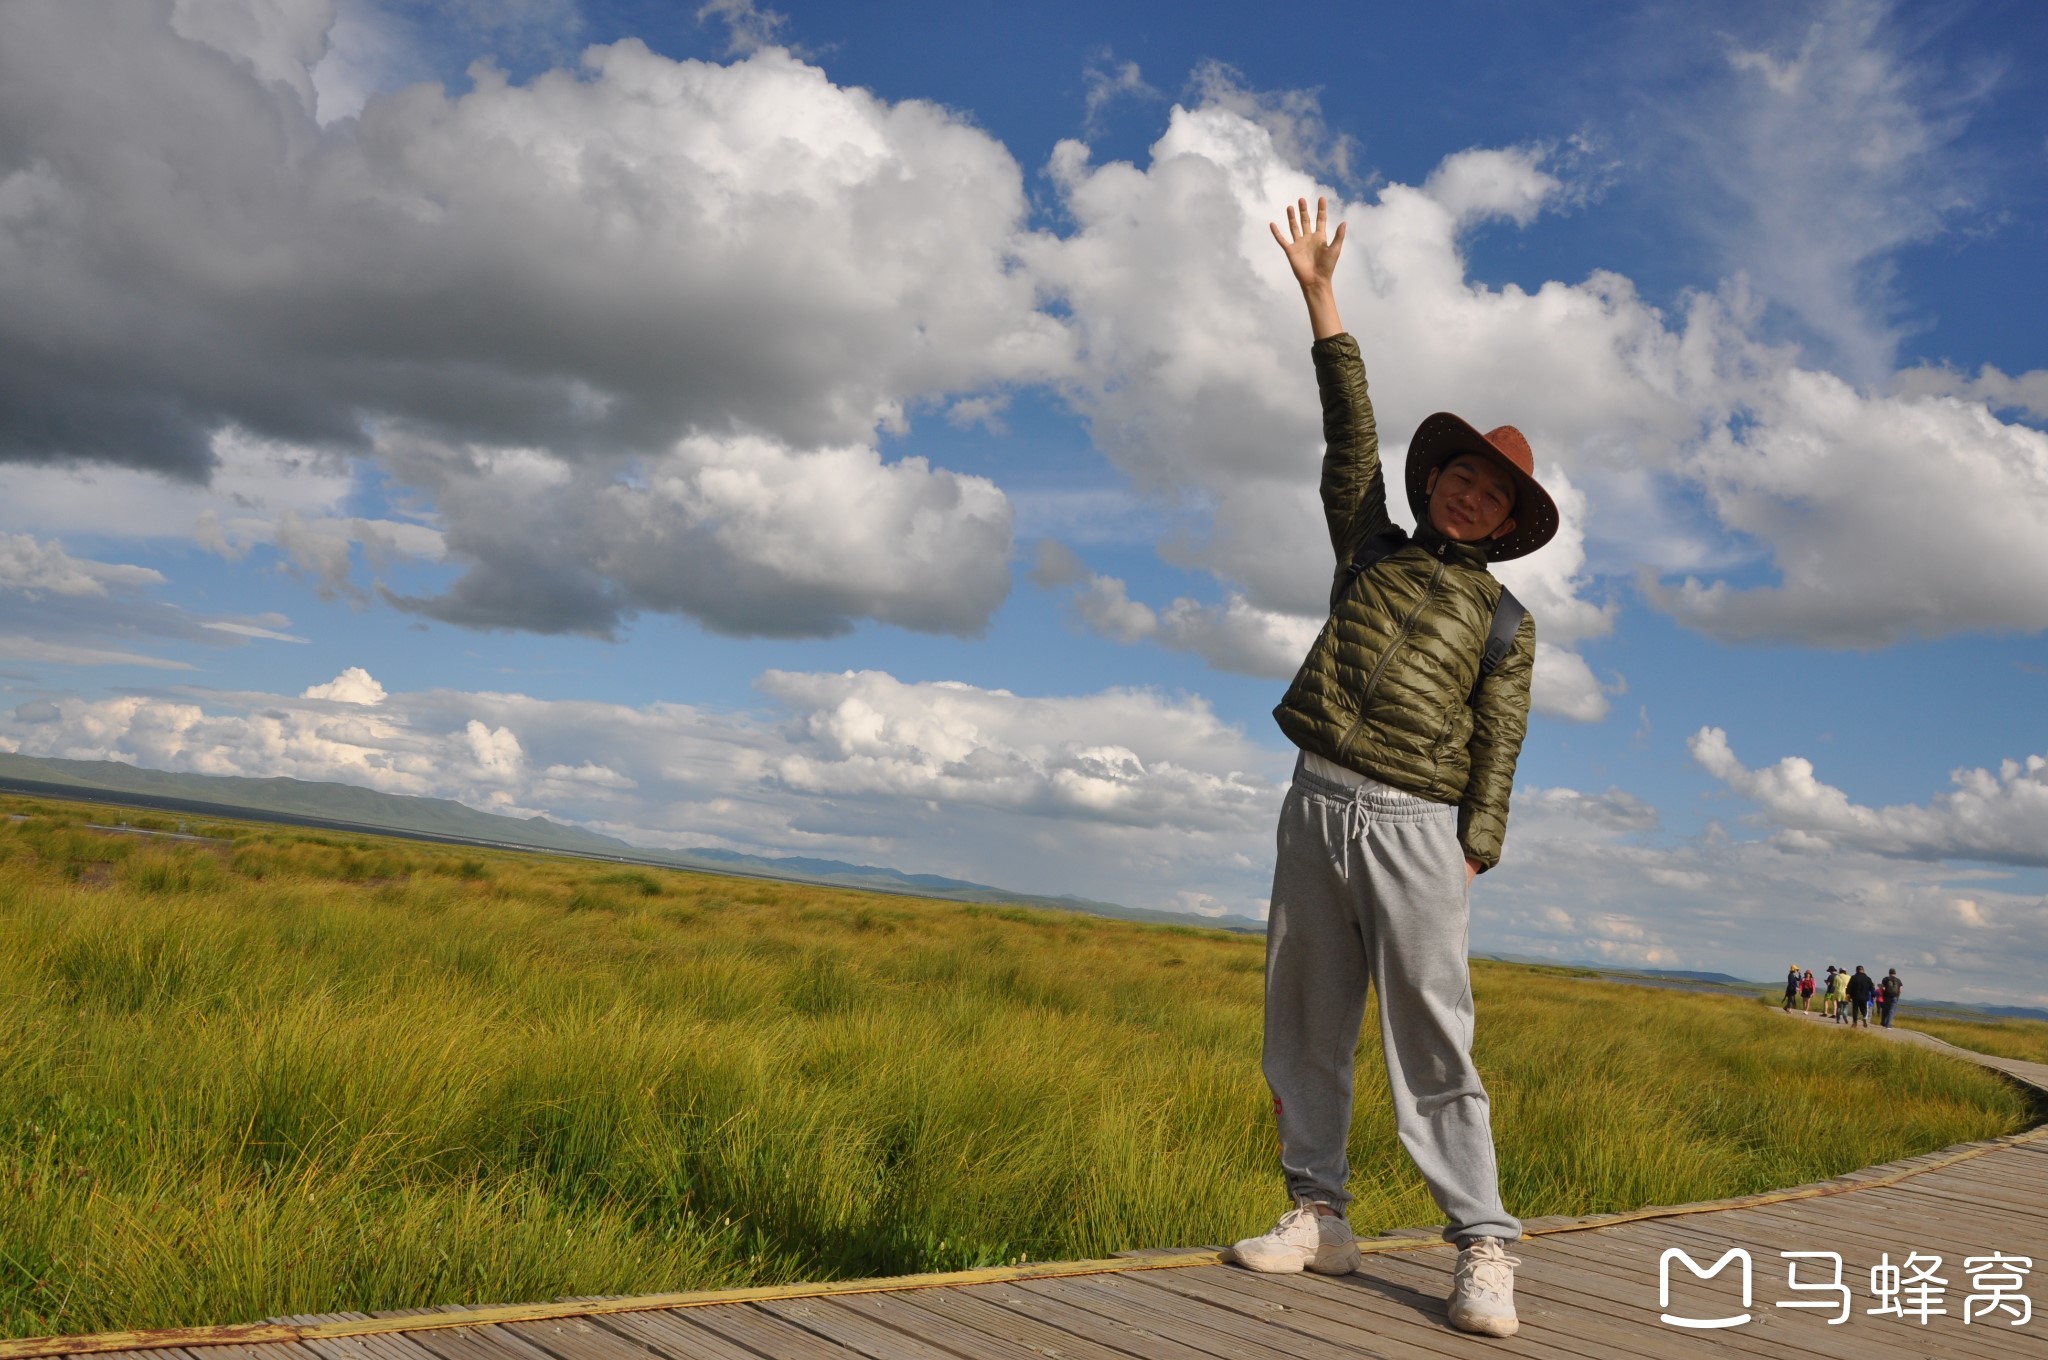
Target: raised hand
column 1313, row 258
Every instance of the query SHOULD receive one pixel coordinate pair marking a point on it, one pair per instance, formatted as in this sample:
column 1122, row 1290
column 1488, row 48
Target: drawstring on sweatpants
column 1354, row 814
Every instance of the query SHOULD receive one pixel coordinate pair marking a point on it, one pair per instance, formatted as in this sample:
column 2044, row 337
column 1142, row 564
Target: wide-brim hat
column 1443, row 437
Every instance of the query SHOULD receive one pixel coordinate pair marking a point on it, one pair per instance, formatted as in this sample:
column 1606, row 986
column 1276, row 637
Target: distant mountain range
column 347, row 807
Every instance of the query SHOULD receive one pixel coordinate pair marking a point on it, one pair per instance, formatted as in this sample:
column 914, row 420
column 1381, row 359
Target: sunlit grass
column 299, row 1072
column 2023, row 1039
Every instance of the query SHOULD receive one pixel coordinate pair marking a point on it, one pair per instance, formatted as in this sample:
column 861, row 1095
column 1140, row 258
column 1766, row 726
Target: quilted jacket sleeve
column 1500, row 718
column 1354, row 490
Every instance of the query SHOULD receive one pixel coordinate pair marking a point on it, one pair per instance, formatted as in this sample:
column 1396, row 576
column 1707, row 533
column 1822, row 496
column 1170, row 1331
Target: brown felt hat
column 1443, row 437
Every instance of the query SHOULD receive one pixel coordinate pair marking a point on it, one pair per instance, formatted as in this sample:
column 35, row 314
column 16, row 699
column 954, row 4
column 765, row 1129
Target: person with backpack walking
column 1888, row 992
column 1827, row 993
column 1409, row 714
column 1862, row 986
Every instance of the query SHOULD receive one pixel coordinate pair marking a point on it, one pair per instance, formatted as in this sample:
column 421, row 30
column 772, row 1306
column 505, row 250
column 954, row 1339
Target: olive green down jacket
column 1387, row 689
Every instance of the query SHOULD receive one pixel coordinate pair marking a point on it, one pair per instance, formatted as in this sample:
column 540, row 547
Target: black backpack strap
column 1372, row 550
column 1500, row 638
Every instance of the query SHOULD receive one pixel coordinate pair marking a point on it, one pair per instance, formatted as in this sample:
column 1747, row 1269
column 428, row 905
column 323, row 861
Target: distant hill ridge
column 309, row 798
column 351, row 807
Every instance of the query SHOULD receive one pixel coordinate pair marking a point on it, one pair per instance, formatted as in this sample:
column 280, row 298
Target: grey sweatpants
column 1370, row 887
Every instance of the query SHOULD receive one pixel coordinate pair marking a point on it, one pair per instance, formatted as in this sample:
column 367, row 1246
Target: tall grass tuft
column 293, row 1072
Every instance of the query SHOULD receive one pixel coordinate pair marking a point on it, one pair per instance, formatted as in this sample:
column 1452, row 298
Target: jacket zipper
column 1372, row 681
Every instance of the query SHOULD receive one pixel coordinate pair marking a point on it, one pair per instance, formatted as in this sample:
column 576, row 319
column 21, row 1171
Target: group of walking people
column 1846, row 998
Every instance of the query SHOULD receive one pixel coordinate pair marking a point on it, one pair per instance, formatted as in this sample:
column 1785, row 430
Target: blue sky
column 885, row 432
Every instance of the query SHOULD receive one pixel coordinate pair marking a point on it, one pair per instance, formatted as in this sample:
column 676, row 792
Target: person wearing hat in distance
column 1399, row 799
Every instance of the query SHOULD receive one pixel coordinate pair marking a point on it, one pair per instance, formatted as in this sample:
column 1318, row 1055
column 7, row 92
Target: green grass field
column 298, row 1072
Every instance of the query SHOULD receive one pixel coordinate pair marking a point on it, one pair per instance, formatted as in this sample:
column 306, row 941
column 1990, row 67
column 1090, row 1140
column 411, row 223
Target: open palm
column 1311, row 253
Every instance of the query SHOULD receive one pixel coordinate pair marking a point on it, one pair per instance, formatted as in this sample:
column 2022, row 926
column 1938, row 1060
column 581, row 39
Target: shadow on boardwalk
column 1588, row 1289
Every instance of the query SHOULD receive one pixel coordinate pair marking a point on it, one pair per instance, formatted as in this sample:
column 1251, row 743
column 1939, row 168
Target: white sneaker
column 1483, row 1296
column 1302, row 1239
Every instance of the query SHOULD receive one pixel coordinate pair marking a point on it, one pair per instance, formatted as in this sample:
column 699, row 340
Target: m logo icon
column 1664, row 1286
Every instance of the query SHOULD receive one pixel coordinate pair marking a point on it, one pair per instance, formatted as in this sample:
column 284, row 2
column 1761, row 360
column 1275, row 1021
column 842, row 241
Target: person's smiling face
column 1470, row 499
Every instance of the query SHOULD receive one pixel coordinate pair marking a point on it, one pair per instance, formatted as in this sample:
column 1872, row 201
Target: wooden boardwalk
column 1588, row 1289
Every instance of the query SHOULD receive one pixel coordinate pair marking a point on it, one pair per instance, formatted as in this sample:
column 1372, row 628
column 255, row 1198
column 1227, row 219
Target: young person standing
column 1400, row 798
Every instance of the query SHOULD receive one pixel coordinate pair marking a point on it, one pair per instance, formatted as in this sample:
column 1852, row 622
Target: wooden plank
column 900, row 1311
column 973, row 1312
column 1557, row 1327
column 1564, row 1327
column 2016, row 1197
column 1906, row 1224
column 1995, row 1186
column 767, row 1335
column 1115, row 1335
column 2000, row 1173
column 479, row 1343
column 388, row 1346
column 1971, row 1201
column 270, row 1350
column 860, row 1334
column 1254, row 1332
column 1400, row 1329
column 1587, row 1320
column 1192, row 1333
column 1947, row 1185
column 1361, row 1316
column 564, row 1338
column 674, row 1335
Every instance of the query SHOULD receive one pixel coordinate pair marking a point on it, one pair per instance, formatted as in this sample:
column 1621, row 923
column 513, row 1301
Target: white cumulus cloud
column 1996, row 815
column 353, row 686
column 595, row 265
